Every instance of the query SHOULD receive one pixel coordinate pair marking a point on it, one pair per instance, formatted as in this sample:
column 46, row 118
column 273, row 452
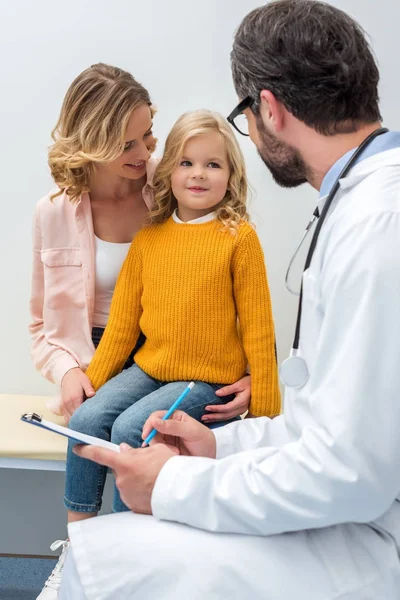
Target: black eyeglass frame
column 238, row 110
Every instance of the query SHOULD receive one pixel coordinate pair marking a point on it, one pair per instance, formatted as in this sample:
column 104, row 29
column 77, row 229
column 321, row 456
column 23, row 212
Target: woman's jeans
column 117, row 413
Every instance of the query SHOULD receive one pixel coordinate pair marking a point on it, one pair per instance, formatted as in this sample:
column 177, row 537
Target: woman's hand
column 181, row 433
column 75, row 388
column 233, row 408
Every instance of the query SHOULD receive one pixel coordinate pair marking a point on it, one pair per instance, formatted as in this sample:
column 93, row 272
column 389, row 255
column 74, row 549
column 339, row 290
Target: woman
column 101, row 163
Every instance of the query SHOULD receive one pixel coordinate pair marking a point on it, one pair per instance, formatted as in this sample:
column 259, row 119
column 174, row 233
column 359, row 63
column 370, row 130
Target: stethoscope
column 294, row 370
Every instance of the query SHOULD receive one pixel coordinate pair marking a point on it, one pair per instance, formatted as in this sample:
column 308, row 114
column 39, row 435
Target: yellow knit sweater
column 185, row 286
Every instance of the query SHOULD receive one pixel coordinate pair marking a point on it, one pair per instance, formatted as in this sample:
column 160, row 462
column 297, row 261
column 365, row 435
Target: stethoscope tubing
column 350, row 163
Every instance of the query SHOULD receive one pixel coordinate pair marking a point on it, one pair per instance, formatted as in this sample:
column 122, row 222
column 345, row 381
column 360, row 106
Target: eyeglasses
column 237, row 119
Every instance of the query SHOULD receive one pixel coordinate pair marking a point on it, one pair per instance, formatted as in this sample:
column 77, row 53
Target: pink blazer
column 63, row 282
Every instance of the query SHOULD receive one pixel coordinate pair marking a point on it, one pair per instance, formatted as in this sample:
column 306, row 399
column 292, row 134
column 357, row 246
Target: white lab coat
column 315, row 490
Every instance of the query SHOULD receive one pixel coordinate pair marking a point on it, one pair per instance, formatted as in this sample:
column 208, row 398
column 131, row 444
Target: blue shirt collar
column 386, row 141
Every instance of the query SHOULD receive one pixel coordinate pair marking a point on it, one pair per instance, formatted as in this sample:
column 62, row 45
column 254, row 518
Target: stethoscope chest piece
column 294, row 371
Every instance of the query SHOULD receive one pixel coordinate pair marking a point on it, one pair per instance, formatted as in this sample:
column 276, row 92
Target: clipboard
column 80, row 438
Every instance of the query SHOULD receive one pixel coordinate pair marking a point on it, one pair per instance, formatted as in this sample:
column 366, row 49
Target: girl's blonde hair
column 92, row 125
column 232, row 209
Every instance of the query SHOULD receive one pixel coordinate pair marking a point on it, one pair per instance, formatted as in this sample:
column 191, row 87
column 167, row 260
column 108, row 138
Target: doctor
column 309, row 500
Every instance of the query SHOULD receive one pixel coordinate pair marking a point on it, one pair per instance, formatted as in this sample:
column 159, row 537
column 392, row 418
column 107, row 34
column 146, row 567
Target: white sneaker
column 52, row 585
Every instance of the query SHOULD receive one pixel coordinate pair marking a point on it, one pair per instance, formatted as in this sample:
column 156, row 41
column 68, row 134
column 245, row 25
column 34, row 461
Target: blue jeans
column 118, row 412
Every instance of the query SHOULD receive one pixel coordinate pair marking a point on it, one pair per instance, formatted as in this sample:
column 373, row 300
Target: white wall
column 179, row 49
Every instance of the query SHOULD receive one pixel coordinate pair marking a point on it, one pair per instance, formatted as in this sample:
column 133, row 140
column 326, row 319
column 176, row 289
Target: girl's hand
column 75, row 388
column 233, row 408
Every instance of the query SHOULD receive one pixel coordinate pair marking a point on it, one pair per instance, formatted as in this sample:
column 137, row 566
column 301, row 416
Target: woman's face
column 139, row 141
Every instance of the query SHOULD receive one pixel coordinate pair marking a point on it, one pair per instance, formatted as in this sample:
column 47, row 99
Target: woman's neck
column 105, row 188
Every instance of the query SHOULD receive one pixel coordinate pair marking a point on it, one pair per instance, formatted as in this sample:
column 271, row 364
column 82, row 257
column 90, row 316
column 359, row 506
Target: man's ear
column 271, row 111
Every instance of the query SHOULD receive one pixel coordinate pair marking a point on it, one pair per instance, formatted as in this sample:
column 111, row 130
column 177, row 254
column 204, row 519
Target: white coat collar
column 363, row 169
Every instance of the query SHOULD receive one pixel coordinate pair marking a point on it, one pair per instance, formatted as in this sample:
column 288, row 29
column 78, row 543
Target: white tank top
column 109, row 258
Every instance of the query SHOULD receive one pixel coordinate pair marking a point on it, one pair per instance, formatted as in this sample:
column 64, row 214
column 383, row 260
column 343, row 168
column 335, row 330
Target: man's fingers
column 149, row 425
column 173, row 449
column 124, row 447
column 155, row 417
column 172, row 427
column 157, row 439
column 101, row 456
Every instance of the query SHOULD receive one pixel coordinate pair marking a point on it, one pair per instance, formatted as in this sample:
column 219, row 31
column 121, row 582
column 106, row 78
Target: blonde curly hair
column 92, row 125
column 232, row 210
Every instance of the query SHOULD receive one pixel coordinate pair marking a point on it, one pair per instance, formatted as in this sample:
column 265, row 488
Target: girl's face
column 201, row 178
column 139, row 141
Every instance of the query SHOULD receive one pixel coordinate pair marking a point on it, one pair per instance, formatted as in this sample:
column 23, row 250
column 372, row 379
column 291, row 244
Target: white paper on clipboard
column 81, row 438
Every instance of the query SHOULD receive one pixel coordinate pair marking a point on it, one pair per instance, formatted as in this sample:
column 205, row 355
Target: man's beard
column 285, row 163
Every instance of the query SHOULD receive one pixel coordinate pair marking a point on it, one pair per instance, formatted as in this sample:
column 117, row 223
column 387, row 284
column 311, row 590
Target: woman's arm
column 52, row 361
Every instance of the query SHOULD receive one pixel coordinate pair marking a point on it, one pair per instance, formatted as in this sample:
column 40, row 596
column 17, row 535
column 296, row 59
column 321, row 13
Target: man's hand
column 233, row 408
column 185, row 434
column 135, row 470
column 75, row 388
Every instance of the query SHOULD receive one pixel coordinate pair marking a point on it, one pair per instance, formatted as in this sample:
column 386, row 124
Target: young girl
column 187, row 280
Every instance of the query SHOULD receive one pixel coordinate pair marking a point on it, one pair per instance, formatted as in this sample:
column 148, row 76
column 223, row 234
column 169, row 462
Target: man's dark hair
column 314, row 58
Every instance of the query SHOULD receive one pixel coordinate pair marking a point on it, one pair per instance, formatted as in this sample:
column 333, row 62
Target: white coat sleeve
column 250, row 434
column 344, row 467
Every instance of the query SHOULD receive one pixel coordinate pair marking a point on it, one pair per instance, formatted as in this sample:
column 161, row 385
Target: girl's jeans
column 117, row 413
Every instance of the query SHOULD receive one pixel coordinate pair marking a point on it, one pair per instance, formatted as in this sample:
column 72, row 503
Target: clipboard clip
column 31, row 417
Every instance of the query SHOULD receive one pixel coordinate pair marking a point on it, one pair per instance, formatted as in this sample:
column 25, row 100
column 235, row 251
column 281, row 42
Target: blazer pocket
column 62, row 257
column 63, row 279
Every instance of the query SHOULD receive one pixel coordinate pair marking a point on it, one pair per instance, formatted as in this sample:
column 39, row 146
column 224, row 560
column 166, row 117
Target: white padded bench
column 23, row 446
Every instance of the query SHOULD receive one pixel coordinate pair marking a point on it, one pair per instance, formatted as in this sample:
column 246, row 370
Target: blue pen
column 170, row 411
